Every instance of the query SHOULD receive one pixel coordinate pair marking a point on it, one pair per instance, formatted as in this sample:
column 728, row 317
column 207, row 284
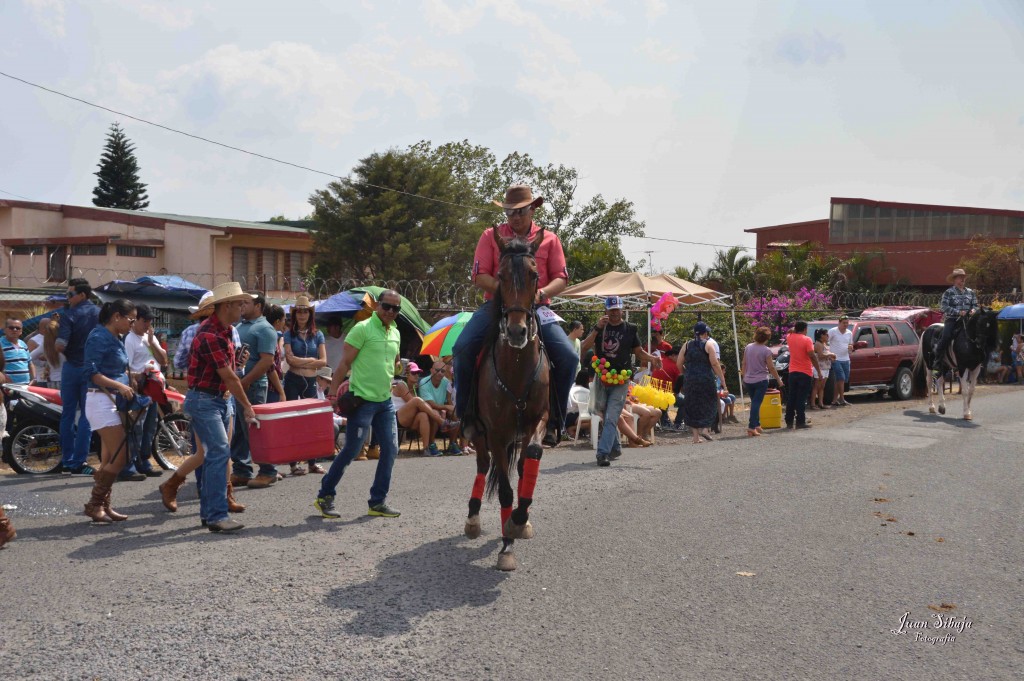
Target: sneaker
column 131, row 477
column 616, row 453
column 383, row 510
column 602, row 460
column 151, row 472
column 454, row 449
column 432, row 450
column 803, row 426
column 326, row 506
column 84, row 470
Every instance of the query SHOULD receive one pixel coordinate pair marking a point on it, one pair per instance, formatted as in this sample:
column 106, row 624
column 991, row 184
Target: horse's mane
column 990, row 341
column 518, row 246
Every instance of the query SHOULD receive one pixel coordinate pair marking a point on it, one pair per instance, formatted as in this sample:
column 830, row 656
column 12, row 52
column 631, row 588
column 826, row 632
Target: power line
column 17, row 196
column 231, row 147
column 475, row 210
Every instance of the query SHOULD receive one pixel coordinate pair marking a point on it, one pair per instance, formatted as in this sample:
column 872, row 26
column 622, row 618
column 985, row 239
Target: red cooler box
column 292, row 431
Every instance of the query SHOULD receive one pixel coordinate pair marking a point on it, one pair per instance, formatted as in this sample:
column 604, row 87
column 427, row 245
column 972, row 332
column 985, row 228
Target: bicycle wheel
column 173, row 441
column 34, row 449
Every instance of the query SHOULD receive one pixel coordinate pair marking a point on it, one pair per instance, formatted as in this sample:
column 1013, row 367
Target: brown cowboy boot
column 169, row 491
column 114, row 515
column 95, row 508
column 233, row 506
column 7, row 532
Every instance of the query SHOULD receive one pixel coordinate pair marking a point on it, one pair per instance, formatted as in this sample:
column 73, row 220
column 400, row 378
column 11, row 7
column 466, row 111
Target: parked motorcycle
column 33, row 426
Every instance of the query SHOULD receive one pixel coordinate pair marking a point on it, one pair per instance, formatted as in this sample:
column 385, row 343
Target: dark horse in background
column 975, row 337
column 511, row 398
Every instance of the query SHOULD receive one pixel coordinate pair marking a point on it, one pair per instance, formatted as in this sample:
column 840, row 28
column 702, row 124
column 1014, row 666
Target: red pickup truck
column 882, row 360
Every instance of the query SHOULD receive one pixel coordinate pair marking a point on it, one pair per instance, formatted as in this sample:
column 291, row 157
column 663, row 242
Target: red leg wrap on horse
column 531, row 467
column 478, row 486
column 506, row 513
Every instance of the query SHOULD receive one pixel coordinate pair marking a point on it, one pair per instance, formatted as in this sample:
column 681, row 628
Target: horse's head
column 517, row 288
column 983, row 330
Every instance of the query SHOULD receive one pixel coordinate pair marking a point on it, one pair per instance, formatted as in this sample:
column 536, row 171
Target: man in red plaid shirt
column 211, row 376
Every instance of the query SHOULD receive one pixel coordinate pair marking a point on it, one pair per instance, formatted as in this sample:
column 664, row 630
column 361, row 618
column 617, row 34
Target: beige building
column 46, row 244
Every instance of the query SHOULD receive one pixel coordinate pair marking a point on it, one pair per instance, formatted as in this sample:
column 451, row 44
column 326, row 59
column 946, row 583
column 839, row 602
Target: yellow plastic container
column 771, row 410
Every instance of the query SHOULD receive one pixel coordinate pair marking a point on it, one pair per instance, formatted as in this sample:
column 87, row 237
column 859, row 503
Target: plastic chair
column 584, row 411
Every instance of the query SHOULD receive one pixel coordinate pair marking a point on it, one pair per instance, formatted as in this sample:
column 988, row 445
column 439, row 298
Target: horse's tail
column 494, row 475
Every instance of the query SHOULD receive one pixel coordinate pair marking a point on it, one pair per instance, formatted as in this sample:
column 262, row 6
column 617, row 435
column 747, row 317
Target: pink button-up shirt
column 550, row 257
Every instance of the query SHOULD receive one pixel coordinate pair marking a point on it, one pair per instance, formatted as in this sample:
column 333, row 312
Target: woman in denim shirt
column 305, row 352
column 105, row 370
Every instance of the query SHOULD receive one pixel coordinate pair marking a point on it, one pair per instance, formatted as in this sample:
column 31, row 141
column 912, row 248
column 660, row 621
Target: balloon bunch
column 662, row 309
column 655, row 394
column 608, row 375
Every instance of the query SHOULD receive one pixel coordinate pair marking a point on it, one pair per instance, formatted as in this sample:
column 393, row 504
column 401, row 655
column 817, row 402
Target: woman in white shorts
column 105, row 370
column 825, row 362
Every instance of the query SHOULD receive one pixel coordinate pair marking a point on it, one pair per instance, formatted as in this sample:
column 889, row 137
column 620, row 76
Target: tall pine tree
column 118, row 174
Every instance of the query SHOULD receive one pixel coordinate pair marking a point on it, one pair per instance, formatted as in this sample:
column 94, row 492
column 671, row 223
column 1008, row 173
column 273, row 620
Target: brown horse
column 512, row 398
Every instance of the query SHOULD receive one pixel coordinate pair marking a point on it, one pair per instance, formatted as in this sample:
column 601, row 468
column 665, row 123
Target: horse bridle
column 531, row 322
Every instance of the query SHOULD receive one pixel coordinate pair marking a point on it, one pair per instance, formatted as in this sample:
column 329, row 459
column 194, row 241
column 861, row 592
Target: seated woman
column 412, row 412
column 647, row 417
column 995, row 371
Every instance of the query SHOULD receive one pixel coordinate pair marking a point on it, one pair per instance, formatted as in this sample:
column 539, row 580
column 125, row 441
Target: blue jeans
column 210, row 415
column 796, row 402
column 141, row 442
column 614, row 400
column 559, row 349
column 381, row 417
column 241, row 458
column 75, row 431
column 756, row 392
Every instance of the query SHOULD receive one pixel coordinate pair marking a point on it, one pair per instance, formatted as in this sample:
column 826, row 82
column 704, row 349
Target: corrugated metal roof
column 222, row 223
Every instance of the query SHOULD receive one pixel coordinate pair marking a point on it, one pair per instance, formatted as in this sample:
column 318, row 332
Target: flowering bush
column 780, row 311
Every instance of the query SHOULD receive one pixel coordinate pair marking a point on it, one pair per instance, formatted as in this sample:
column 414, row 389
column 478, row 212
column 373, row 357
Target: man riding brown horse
column 519, row 206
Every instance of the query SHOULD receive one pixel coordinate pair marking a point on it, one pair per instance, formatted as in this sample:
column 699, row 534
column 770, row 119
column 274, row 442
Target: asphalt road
column 789, row 556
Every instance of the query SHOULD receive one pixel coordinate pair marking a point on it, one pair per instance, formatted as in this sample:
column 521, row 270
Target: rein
column 520, row 401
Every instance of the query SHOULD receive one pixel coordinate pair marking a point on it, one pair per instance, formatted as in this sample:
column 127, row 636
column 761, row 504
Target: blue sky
column 711, row 117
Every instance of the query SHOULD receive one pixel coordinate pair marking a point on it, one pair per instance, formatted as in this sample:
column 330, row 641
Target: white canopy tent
column 639, row 292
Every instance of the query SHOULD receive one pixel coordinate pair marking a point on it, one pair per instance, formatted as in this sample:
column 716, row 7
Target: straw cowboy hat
column 222, row 293
column 518, row 196
column 203, row 309
column 956, row 273
column 302, row 302
column 325, row 372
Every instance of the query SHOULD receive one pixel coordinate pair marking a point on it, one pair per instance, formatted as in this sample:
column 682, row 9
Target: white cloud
column 654, row 9
column 659, row 52
column 173, row 17
column 49, row 14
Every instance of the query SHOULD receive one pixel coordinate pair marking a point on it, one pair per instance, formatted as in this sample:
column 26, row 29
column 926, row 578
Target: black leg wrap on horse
column 505, row 497
column 474, row 507
column 522, row 513
column 534, row 452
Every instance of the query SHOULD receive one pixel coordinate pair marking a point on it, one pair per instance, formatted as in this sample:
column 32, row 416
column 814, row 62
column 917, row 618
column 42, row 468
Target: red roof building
column 922, row 242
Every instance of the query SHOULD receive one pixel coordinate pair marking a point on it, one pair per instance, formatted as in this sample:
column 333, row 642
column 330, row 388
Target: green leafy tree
column 119, row 185
column 991, row 267
column 693, row 273
column 731, row 269
column 591, row 229
column 366, row 231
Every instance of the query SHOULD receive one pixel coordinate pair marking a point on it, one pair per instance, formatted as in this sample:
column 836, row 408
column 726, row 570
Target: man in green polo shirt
column 372, row 353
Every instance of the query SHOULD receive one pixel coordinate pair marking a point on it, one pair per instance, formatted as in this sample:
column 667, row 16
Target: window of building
column 269, row 269
column 28, row 250
column 1015, row 227
column 885, row 229
column 958, row 226
column 136, row 251
column 89, row 249
column 56, row 263
column 901, row 224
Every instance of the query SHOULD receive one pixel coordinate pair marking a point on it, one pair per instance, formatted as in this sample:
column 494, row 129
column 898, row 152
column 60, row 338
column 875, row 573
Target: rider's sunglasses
column 14, row 328
column 512, row 212
column 389, row 307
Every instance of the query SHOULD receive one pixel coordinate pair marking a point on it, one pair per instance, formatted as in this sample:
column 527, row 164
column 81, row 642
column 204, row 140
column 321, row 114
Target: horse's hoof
column 513, row 531
column 507, row 562
column 931, row 410
column 473, row 527
column 968, row 417
column 942, row 410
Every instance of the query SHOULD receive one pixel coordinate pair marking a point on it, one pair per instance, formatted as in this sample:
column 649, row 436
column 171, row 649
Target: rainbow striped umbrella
column 440, row 339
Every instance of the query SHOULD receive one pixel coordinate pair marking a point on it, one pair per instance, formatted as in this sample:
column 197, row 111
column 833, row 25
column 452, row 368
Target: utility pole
column 650, row 263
